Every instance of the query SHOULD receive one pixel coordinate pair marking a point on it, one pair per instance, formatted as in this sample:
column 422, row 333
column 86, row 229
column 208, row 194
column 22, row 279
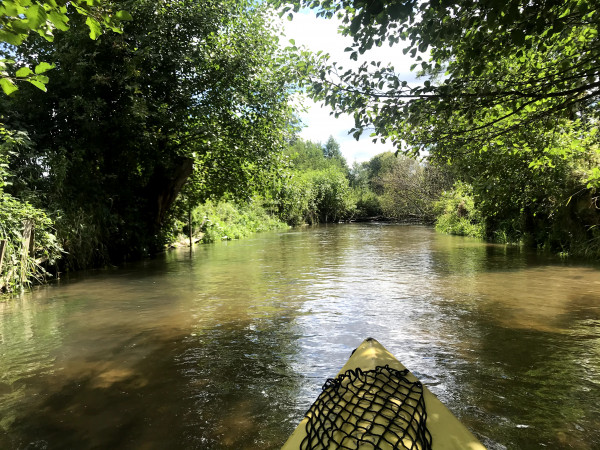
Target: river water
column 227, row 347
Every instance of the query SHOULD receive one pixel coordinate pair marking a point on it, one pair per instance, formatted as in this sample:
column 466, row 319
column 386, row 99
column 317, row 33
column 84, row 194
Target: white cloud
column 322, row 34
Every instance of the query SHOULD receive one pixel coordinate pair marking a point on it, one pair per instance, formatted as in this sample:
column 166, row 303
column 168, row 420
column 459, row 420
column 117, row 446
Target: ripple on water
column 228, row 347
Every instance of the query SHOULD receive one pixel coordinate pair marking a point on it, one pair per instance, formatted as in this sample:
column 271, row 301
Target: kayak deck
column 376, row 403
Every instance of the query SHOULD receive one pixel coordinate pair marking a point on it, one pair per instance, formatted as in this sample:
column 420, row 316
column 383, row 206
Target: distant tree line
column 320, row 187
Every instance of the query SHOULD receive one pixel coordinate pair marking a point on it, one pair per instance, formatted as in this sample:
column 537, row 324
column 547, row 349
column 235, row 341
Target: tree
column 541, row 198
column 332, row 149
column 332, row 152
column 27, row 239
column 306, row 155
column 508, row 98
column 494, row 67
column 331, row 194
column 20, row 18
column 411, row 188
column 190, row 87
column 315, row 188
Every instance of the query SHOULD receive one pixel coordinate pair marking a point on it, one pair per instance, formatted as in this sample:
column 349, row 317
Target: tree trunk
column 164, row 187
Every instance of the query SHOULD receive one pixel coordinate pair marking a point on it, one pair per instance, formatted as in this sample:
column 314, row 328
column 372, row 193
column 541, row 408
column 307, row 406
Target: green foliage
column 314, row 196
column 537, row 197
column 331, row 196
column 85, row 233
column 397, row 187
column 292, row 199
column 20, row 265
column 192, row 91
column 377, row 168
column 366, row 183
column 226, row 220
column 316, row 186
column 457, row 214
column 20, row 18
column 508, row 98
column 331, row 151
column 493, row 67
column 306, row 155
column 411, row 188
column 368, row 203
column 545, row 205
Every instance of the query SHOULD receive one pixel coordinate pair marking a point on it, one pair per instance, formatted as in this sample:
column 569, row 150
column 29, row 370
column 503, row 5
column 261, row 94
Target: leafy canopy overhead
column 488, row 67
column 20, row 18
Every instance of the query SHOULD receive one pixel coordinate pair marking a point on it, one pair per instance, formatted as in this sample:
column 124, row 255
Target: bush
column 19, row 265
column 292, row 200
column 457, row 214
column 227, row 220
column 331, row 196
column 314, row 196
column 22, row 266
column 368, row 204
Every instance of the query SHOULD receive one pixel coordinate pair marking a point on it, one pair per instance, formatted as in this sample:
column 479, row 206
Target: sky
column 321, row 34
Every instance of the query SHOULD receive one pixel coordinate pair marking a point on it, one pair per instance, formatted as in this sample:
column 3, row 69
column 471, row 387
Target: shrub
column 457, row 214
column 21, row 265
column 227, row 220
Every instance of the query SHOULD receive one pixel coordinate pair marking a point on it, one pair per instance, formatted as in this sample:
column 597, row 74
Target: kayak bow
column 376, row 403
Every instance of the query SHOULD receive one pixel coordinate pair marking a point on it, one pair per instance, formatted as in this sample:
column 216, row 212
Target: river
column 226, row 348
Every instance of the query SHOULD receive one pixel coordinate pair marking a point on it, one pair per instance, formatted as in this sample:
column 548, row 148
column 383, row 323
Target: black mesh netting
column 374, row 409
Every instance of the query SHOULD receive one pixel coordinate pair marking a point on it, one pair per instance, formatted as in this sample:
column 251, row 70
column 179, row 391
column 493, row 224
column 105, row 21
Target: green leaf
column 41, row 78
column 23, row 72
column 59, row 20
column 38, row 84
column 43, row 67
column 8, row 86
column 11, row 37
column 95, row 28
column 123, row 15
column 9, row 9
column 36, row 15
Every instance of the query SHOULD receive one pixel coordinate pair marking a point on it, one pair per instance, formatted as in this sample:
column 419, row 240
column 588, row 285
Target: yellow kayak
column 376, row 403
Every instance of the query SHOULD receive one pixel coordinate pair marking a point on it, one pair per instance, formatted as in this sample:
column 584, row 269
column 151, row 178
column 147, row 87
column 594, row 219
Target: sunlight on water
column 228, row 347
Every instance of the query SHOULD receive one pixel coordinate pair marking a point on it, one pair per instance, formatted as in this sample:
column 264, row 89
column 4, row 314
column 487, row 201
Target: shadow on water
column 227, row 387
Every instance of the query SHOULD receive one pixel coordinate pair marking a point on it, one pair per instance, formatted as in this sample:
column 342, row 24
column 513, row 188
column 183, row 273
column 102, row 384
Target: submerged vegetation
column 162, row 118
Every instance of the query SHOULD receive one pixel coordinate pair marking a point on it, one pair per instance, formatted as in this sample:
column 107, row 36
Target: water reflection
column 228, row 347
